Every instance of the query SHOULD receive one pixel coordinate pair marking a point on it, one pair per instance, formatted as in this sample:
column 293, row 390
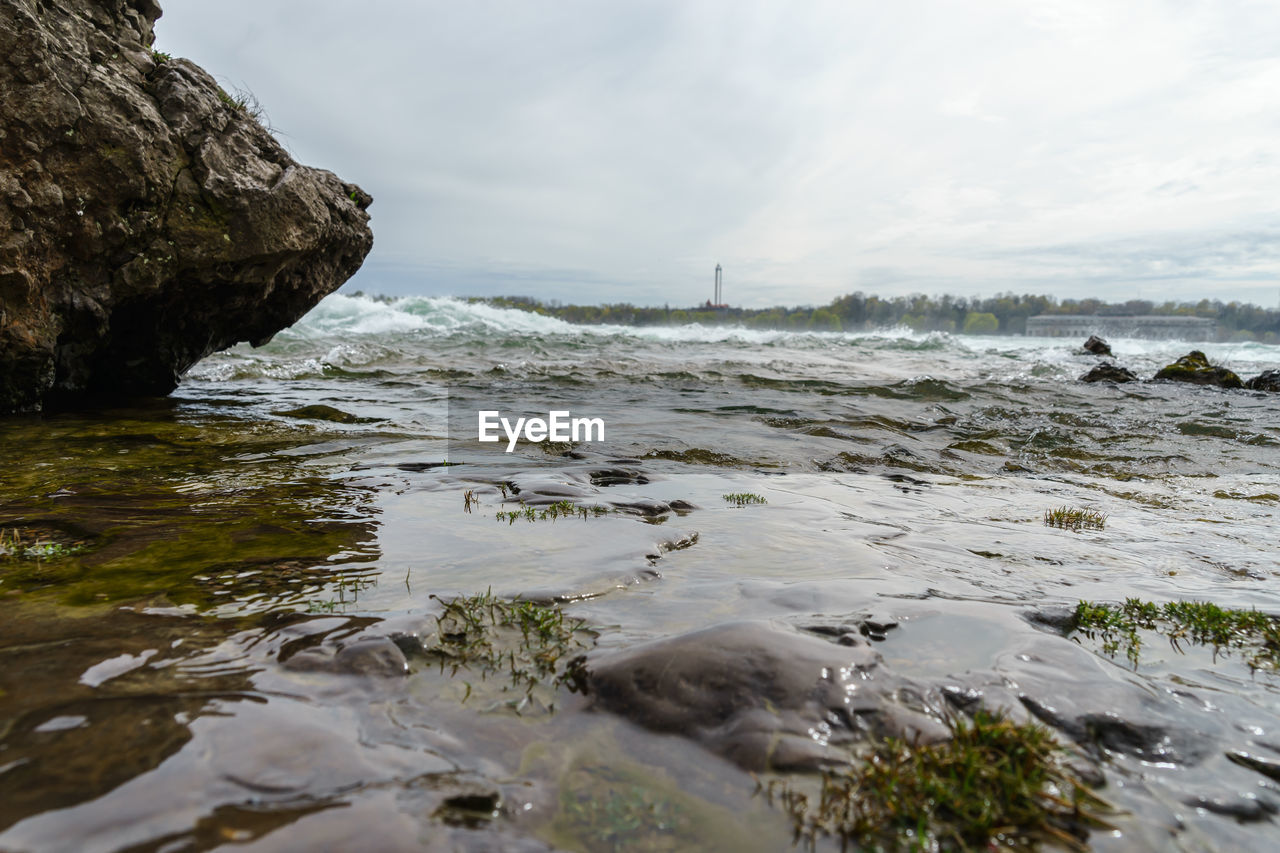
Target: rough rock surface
column 1108, row 372
column 1267, row 380
column 1097, row 346
column 147, row 219
column 1195, row 367
column 763, row 695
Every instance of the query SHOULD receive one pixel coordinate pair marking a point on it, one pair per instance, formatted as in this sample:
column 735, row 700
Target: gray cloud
column 585, row 151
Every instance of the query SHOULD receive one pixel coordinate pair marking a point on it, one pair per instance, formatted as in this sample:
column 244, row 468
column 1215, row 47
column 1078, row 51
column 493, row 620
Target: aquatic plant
column 995, row 783
column 744, row 498
column 1255, row 634
column 526, row 643
column 15, row 546
column 469, row 499
column 348, row 589
column 1069, row 518
column 559, row 509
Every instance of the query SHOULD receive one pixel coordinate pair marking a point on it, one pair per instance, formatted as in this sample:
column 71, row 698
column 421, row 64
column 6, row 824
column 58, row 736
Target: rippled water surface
column 212, row 597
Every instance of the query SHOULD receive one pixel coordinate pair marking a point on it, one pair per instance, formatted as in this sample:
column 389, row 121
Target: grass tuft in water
column 744, row 498
column 15, row 546
column 522, row 642
column 1255, row 634
column 995, row 783
column 559, row 509
column 1070, row 518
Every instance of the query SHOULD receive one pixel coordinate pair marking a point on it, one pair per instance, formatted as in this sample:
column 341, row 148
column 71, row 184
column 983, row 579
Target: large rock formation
column 147, row 219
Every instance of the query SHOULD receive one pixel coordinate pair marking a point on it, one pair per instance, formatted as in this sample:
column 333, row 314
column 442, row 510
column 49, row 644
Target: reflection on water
column 220, row 609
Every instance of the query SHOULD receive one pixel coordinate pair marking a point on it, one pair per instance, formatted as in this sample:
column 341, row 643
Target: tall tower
column 717, row 299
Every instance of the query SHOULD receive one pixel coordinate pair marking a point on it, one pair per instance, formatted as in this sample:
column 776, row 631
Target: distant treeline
column 1005, row 314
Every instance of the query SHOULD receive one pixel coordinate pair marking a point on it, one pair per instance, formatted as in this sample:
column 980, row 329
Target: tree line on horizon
column 1003, row 314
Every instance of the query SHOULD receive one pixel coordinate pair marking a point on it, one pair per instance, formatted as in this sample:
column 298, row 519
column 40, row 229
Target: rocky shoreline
column 1194, row 367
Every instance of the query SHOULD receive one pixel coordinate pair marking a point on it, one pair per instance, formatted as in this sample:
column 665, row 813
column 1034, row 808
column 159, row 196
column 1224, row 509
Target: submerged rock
column 373, row 656
column 1108, row 372
column 321, row 412
column 147, row 218
column 763, row 695
column 1267, row 380
column 1194, row 367
column 1097, row 346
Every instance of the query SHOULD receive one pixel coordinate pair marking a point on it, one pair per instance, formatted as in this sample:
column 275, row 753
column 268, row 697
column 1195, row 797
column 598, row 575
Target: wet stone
column 1100, row 713
column 1267, row 380
column 471, row 809
column 321, row 412
column 1097, row 346
column 1246, row 808
column 1194, row 367
column 1108, row 372
column 371, row 656
column 764, row 695
column 1268, row 767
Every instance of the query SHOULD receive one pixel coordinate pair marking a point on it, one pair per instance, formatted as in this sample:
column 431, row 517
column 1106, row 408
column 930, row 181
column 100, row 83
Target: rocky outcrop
column 147, row 218
column 1097, row 346
column 1108, row 372
column 1267, row 380
column 1194, row 367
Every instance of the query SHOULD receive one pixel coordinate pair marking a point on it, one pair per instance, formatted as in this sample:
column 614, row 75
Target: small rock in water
column 1194, row 367
column 1108, row 372
column 376, row 656
column 1267, row 380
column 321, row 412
column 1097, row 346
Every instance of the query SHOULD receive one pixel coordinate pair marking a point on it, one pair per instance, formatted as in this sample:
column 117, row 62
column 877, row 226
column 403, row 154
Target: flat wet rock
column 763, row 695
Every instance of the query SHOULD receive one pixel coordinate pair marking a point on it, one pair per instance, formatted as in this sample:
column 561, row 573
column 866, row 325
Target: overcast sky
column 594, row 151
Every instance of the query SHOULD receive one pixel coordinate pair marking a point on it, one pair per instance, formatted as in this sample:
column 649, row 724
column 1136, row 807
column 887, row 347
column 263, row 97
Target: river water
column 176, row 560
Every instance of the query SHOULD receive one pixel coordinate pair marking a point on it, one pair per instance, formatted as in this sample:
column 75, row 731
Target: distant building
column 1147, row 326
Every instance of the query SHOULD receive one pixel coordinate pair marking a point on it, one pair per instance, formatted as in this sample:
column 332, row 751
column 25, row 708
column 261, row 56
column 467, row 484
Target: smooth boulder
column 757, row 692
column 147, row 217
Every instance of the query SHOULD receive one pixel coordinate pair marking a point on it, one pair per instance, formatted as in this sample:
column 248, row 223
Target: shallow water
column 151, row 693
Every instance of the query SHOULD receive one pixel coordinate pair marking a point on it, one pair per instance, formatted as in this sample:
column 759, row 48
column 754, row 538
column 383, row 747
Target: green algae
column 993, row 784
column 143, row 503
column 1255, row 635
column 321, row 412
column 1194, row 367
